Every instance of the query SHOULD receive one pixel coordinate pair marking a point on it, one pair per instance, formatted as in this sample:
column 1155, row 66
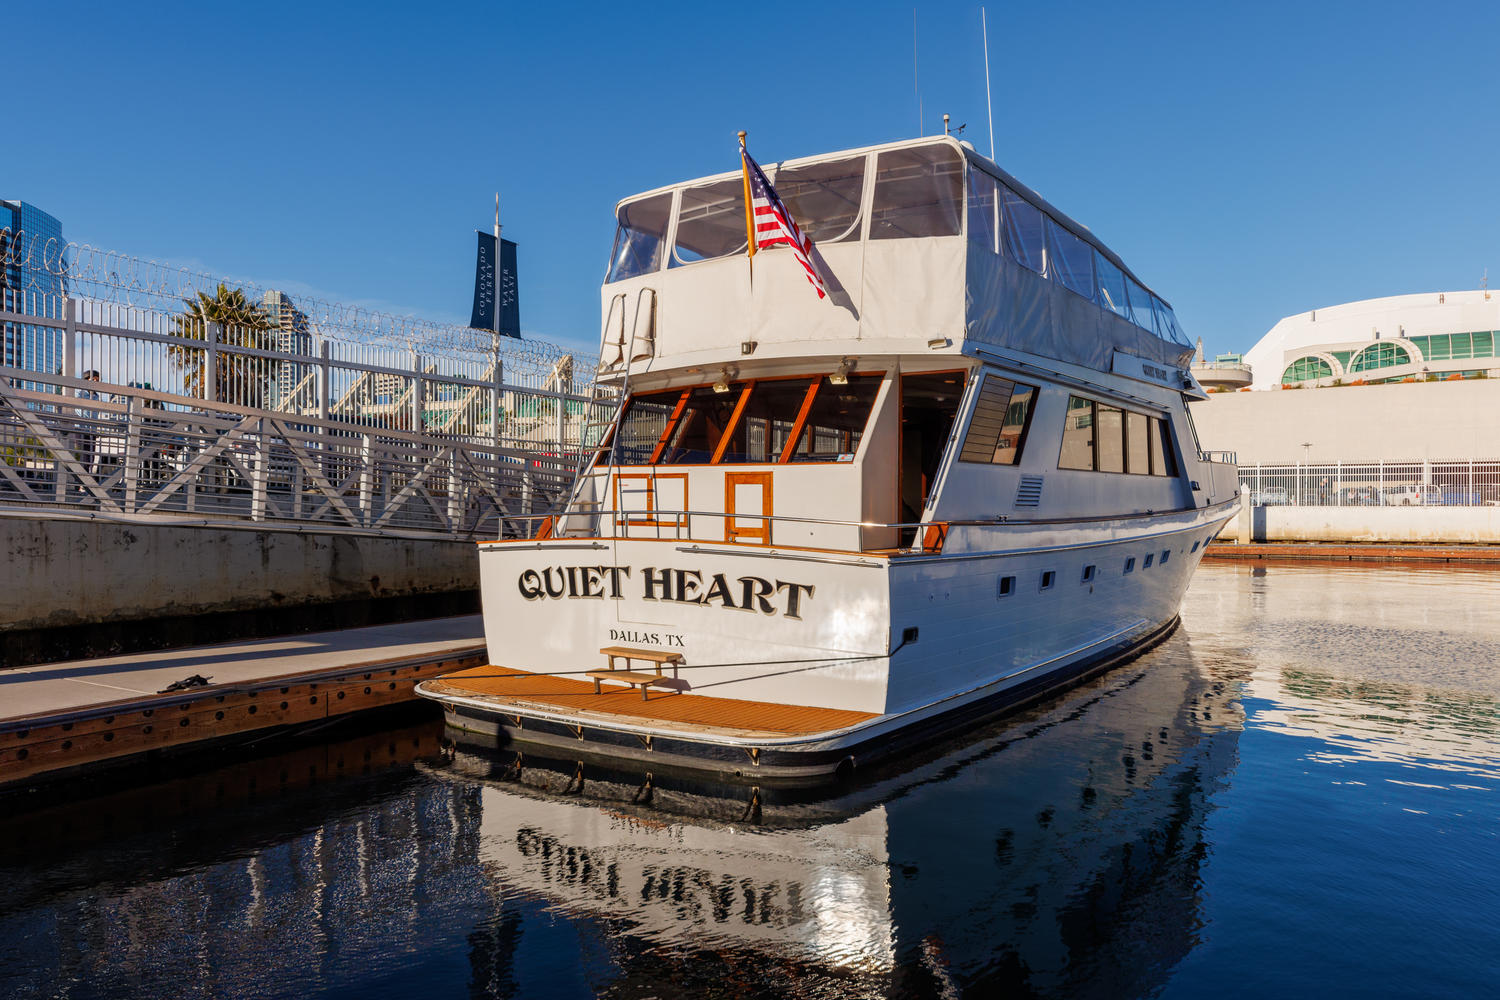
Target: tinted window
column 641, row 427
column 836, row 421
column 1078, row 435
column 638, row 237
column 704, row 420
column 710, row 222
column 1109, row 437
column 824, row 198
column 1001, row 417
column 1070, row 260
column 1022, row 223
column 984, row 211
column 918, row 192
column 766, row 422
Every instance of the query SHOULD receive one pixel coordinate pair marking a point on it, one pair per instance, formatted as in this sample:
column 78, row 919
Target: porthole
column 1166, row 554
column 1005, row 586
column 1130, row 565
column 1048, row 579
column 1146, row 563
column 1088, row 574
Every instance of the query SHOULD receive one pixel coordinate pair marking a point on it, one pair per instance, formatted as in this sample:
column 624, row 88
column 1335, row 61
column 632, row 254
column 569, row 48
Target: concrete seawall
column 62, row 572
column 1403, row 525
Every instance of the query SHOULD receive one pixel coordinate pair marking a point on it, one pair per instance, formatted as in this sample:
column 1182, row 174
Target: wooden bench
column 633, row 678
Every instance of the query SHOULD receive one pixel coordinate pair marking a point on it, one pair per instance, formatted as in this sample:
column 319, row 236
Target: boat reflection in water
column 1059, row 851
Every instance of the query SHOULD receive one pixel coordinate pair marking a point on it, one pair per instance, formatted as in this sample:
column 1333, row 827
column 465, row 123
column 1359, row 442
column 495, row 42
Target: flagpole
column 749, row 210
column 496, row 271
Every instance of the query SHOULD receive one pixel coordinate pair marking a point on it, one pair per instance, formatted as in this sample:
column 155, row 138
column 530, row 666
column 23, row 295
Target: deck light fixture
column 726, row 373
column 840, row 374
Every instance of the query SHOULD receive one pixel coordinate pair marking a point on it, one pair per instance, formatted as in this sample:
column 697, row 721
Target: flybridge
column 922, row 242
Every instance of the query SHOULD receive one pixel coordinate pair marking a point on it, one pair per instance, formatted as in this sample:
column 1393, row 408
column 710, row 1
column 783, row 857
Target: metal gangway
column 134, row 391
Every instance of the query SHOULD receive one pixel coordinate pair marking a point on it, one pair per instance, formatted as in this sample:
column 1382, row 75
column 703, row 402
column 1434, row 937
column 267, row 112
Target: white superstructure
column 965, row 478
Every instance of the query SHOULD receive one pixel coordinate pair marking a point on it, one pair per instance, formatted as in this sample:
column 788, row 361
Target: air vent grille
column 1029, row 494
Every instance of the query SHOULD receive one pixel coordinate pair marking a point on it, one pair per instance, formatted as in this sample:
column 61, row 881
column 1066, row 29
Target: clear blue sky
column 1249, row 160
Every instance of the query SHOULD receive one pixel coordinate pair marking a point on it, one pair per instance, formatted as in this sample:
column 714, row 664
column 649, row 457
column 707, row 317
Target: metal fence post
column 456, row 490
column 324, row 388
column 262, row 473
column 70, row 333
column 497, row 371
column 416, row 393
column 132, row 454
column 211, row 336
column 367, row 478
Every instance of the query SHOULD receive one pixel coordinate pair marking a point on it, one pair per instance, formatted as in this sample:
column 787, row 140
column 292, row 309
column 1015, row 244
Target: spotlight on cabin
column 721, row 384
column 840, row 374
column 748, row 346
column 938, row 343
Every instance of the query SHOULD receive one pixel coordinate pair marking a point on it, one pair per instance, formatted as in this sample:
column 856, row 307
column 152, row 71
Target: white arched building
column 1422, row 337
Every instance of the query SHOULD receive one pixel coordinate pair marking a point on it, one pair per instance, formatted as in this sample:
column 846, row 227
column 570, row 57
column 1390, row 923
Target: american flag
column 774, row 225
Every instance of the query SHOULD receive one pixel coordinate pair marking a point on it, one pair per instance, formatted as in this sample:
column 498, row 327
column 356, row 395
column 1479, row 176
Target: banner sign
column 483, row 316
column 509, row 294
column 490, row 295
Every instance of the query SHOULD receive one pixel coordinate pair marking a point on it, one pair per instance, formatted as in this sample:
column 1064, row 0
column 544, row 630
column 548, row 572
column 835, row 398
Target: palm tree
column 237, row 378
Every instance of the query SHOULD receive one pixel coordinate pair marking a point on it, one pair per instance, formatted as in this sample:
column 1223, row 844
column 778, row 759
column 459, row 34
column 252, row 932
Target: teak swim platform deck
column 63, row 716
column 500, row 687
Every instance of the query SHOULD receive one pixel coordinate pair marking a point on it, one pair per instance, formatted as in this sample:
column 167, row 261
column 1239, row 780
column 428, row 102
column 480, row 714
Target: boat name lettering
column 679, row 586
column 1155, row 372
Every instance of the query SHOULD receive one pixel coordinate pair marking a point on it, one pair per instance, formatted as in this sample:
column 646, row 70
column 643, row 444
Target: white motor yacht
column 819, row 529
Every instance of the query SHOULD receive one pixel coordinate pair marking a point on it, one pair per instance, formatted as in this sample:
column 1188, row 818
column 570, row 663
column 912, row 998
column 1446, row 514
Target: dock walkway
column 66, row 715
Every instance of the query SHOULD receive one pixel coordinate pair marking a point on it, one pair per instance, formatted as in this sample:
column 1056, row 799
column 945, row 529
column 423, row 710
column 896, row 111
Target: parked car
column 1412, row 496
column 1359, row 496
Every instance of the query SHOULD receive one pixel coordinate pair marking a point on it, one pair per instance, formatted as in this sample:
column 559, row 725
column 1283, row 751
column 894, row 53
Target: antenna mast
column 916, row 87
column 989, row 107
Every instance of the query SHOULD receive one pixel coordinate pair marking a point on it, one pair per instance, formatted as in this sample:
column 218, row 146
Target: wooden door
column 747, row 493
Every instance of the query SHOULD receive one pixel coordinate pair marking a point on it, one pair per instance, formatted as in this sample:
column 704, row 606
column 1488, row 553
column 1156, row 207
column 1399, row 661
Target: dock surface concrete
column 65, row 715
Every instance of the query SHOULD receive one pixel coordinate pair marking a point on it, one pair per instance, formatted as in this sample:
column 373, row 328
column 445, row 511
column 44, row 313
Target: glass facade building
column 293, row 336
column 31, row 282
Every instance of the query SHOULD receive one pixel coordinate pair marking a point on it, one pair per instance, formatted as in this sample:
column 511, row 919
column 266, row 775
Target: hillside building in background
column 33, row 240
column 1430, row 336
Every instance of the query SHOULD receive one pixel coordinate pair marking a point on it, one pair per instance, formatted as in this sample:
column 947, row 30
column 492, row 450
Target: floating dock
column 61, row 716
column 1353, row 552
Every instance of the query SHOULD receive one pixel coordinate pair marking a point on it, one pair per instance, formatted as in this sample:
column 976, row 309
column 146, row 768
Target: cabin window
column 1138, row 443
column 1078, row 435
column 766, row 421
column 1166, row 554
column 639, row 236
column 1103, row 438
column 1002, row 415
column 1111, row 286
column 984, row 211
column 1109, row 438
column 1025, row 242
column 1005, row 586
column 1048, row 579
column 1146, row 563
column 824, row 198
column 1130, row 565
column 710, row 222
column 1194, row 548
column 836, row 420
column 1140, row 305
column 1088, row 574
column 918, row 193
column 641, row 427
column 705, row 417
column 1070, row 260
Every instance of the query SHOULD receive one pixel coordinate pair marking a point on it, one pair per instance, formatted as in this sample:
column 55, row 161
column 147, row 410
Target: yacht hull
column 916, row 646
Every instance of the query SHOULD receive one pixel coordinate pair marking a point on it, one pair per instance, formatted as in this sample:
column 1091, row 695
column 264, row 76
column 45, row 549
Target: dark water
column 1297, row 795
